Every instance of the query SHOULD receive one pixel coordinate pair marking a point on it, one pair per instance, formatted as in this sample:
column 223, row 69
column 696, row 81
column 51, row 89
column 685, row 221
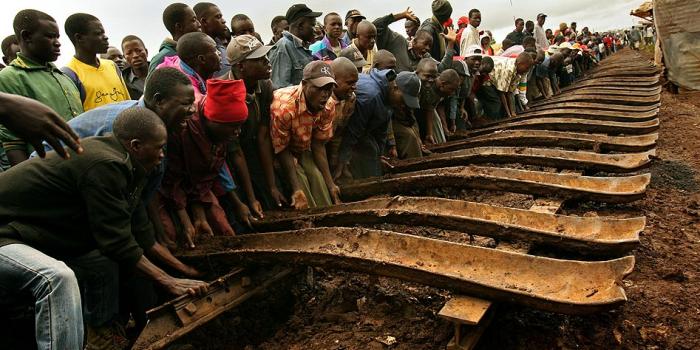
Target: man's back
column 102, row 185
column 167, row 49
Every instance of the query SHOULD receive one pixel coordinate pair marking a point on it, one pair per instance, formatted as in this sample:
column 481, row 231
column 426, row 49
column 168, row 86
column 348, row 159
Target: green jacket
column 44, row 83
column 167, row 49
column 66, row 208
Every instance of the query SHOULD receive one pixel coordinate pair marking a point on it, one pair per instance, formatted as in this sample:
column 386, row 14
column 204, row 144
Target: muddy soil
column 327, row 309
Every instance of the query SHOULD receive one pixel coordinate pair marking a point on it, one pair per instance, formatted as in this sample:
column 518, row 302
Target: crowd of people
column 217, row 128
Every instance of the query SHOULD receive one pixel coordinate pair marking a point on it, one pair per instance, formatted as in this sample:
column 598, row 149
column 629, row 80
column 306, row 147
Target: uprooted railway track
column 572, row 261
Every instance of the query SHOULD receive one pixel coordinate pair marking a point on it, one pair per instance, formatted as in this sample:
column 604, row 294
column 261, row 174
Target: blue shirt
column 368, row 125
column 99, row 122
column 224, row 67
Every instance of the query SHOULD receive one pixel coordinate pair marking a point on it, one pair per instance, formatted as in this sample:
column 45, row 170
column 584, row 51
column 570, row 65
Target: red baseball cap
column 225, row 101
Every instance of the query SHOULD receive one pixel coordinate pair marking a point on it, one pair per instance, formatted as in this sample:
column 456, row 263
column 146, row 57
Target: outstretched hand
column 451, row 35
column 408, row 14
column 35, row 122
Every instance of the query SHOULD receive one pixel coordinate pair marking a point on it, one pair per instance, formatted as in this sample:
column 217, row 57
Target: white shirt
column 470, row 36
column 650, row 32
column 541, row 38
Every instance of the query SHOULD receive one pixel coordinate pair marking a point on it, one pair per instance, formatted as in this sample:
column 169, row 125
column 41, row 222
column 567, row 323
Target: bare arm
column 505, row 104
column 540, row 85
column 176, row 286
column 266, row 160
column 162, row 254
column 440, row 109
column 243, row 174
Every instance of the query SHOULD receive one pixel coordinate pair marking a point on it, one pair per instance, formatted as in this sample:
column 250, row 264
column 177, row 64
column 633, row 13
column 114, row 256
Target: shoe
column 109, row 337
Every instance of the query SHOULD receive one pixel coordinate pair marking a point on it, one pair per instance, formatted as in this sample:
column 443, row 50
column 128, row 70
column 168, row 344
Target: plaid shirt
column 293, row 126
column 504, row 76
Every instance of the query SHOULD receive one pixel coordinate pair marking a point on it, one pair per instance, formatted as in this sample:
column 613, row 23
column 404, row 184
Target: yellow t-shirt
column 99, row 86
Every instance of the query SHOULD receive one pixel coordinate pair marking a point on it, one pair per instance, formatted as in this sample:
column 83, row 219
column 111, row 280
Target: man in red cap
column 462, row 23
column 195, row 157
column 301, row 124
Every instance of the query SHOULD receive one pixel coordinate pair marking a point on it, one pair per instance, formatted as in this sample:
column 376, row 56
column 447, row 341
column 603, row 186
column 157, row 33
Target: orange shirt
column 293, row 126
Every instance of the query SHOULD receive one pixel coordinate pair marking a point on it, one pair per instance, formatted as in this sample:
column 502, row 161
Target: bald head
column 342, row 66
column 555, row 60
column 384, row 59
column 142, row 133
column 366, row 27
column 427, row 70
column 194, row 44
column 448, row 82
column 449, row 75
column 345, row 78
column 138, row 123
column 198, row 50
column 540, row 56
column 426, row 63
column 524, row 62
column 366, row 35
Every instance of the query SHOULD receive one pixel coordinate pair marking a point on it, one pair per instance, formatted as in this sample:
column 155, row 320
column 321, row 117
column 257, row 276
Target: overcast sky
column 144, row 17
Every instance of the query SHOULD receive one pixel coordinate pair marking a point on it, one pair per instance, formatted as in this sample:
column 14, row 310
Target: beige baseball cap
column 245, row 47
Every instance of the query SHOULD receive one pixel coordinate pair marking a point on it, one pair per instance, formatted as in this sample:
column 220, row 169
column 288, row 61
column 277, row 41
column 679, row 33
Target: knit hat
column 462, row 20
column 442, row 10
column 225, row 101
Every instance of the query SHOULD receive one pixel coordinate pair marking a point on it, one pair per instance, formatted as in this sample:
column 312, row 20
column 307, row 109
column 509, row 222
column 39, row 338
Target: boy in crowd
column 32, row 74
column 99, row 81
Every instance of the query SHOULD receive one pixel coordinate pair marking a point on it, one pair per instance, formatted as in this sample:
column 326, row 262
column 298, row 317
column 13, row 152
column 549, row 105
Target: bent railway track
column 611, row 163
column 593, row 235
column 621, row 189
column 564, row 286
column 551, row 139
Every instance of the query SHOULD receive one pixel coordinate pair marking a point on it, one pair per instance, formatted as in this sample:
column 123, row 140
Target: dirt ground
column 320, row 309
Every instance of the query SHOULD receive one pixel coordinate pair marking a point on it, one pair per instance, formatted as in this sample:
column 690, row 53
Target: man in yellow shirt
column 99, row 80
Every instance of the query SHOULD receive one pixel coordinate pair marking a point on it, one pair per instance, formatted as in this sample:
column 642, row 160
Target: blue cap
column 409, row 84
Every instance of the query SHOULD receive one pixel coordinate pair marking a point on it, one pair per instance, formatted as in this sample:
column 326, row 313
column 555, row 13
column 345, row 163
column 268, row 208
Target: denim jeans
column 98, row 279
column 53, row 286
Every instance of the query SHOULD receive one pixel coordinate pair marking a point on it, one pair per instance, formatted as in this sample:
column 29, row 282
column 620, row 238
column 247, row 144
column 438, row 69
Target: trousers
column 54, row 289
